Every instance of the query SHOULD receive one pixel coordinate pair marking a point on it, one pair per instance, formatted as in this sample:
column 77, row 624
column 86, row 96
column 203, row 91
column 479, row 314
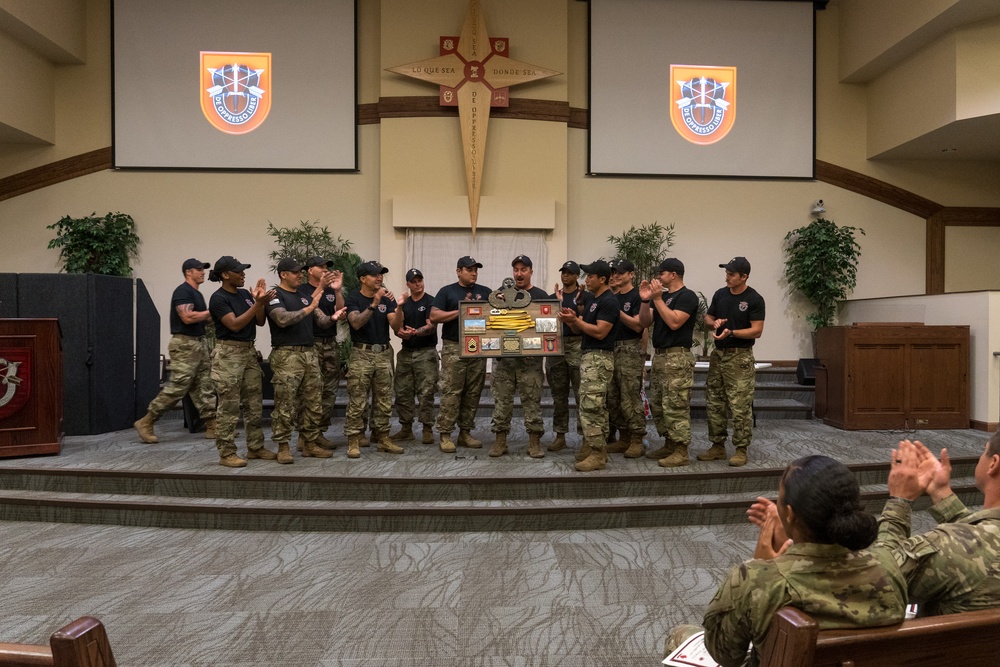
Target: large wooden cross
column 474, row 73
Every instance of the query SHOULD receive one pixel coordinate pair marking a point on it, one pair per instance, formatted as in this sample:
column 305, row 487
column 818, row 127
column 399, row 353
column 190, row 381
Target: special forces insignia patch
column 236, row 90
column 15, row 379
column 702, row 102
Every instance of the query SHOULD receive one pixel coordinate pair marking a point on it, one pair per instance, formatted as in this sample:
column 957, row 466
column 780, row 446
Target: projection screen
column 212, row 84
column 702, row 88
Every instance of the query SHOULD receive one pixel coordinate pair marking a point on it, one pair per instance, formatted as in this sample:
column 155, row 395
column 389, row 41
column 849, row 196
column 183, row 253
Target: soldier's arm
column 731, row 622
column 189, row 315
column 632, row 323
column 286, row 318
column 439, row 316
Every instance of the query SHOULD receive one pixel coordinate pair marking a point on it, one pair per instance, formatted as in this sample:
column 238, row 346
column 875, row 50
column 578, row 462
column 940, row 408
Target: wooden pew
column 968, row 639
column 82, row 643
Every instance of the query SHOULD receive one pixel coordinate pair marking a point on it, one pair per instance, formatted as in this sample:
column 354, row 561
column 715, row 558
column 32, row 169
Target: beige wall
column 207, row 214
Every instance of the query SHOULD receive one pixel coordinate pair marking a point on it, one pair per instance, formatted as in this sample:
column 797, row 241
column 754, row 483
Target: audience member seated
column 822, row 566
column 956, row 566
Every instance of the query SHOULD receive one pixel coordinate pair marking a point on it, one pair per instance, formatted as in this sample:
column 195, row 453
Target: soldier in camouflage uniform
column 954, row 567
column 190, row 358
column 824, row 569
column 325, row 339
column 298, row 385
column 523, row 376
column 625, row 396
column 236, row 373
column 371, row 311
column 672, row 309
column 737, row 316
column 596, row 319
column 416, row 375
column 462, row 380
column 563, row 372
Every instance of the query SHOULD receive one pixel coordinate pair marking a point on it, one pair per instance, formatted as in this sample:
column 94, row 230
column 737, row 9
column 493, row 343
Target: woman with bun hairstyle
column 811, row 554
column 235, row 364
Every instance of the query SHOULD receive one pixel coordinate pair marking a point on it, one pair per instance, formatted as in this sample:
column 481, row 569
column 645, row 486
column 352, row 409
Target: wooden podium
column 31, row 379
column 893, row 376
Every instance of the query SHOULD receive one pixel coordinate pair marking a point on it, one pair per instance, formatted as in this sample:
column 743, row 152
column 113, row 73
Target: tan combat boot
column 363, row 440
column 739, row 458
column 353, row 446
column 447, row 444
column 324, row 442
column 535, row 446
column 284, row 453
column 404, row 433
column 636, row 449
column 596, row 461
column 465, row 439
column 210, row 429
column 232, row 461
column 311, row 448
column 663, row 452
column 385, row 444
column 262, row 453
column 678, row 458
column 585, row 451
column 145, row 428
column 558, row 443
column 428, row 437
column 617, row 444
column 499, row 447
column 716, row 452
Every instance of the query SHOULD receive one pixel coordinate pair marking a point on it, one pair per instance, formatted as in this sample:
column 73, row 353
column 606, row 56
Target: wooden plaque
column 488, row 332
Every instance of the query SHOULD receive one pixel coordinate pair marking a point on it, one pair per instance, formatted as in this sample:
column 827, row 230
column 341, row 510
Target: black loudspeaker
column 147, row 349
column 95, row 318
column 806, row 371
column 8, row 295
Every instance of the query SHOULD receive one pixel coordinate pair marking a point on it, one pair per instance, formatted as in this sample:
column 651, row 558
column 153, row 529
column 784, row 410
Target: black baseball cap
column 598, row 268
column 737, row 265
column 466, row 262
column 672, row 264
column 194, row 264
column 622, row 266
column 412, row 274
column 522, row 259
column 319, row 261
column 371, row 268
column 570, row 267
column 290, row 264
column 229, row 263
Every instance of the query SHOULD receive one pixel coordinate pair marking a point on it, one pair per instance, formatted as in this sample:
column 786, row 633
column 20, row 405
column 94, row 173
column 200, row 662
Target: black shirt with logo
column 186, row 294
column 447, row 300
column 604, row 307
column 223, row 303
column 416, row 314
column 327, row 304
column 738, row 310
column 686, row 301
column 301, row 332
column 629, row 303
column 376, row 329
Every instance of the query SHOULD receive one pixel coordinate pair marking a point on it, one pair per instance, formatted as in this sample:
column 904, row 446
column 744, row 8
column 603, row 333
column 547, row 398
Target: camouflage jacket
column 951, row 568
column 839, row 588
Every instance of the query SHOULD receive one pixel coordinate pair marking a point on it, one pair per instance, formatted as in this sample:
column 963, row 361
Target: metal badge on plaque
column 512, row 325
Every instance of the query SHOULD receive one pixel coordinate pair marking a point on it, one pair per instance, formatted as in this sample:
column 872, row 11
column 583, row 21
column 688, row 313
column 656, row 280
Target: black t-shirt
column 185, row 294
column 569, row 301
column 629, row 303
column 738, row 310
column 327, row 304
column 686, row 301
column 299, row 333
column 447, row 300
column 222, row 303
column 604, row 307
column 416, row 314
column 376, row 329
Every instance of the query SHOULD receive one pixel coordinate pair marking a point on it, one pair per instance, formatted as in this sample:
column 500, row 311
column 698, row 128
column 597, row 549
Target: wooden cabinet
column 899, row 376
column 31, row 389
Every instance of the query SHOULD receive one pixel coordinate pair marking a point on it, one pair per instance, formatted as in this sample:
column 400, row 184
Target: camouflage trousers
column 625, row 397
column 729, row 389
column 564, row 373
column 298, row 392
column 328, row 356
column 525, row 377
column 190, row 373
column 597, row 369
column 416, row 381
column 237, row 377
column 462, row 382
column 670, row 393
column 369, row 372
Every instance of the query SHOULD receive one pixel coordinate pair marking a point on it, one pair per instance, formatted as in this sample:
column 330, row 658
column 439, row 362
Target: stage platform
column 115, row 479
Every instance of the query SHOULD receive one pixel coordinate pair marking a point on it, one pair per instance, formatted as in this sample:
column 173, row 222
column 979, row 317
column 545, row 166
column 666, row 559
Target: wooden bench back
column 968, row 639
column 82, row 643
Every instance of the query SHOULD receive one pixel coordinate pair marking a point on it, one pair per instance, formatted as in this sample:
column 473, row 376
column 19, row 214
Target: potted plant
column 821, row 263
column 702, row 334
column 646, row 247
column 105, row 246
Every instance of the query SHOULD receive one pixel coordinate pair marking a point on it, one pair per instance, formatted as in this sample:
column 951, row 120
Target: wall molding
column 55, row 172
